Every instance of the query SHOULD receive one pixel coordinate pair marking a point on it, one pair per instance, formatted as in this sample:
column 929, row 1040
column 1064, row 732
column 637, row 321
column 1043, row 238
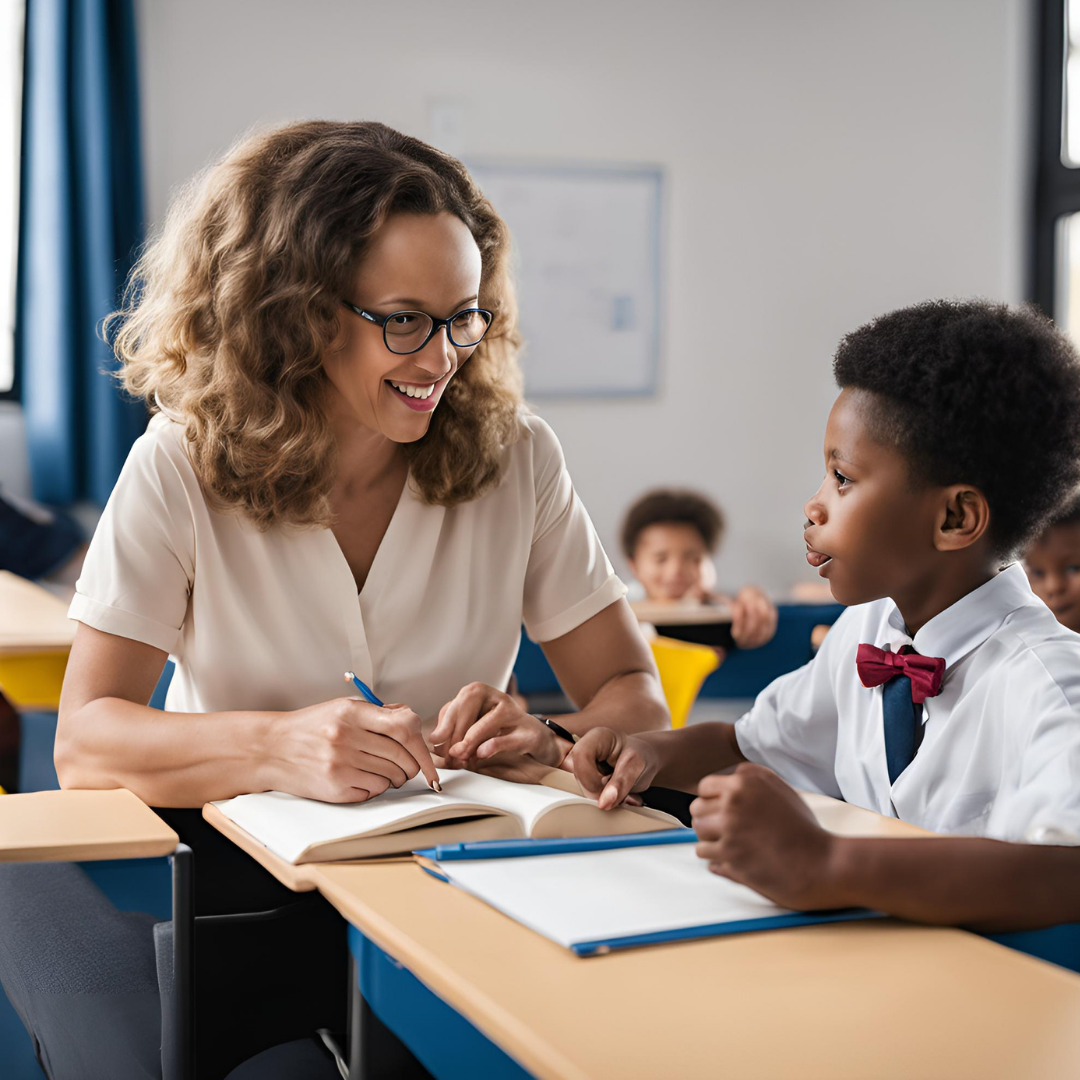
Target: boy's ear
column 963, row 519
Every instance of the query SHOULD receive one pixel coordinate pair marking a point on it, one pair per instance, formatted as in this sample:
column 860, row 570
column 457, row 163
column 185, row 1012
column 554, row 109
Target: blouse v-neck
column 403, row 496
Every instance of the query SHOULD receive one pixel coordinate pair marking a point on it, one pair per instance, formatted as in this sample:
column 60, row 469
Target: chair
column 683, row 669
column 35, row 639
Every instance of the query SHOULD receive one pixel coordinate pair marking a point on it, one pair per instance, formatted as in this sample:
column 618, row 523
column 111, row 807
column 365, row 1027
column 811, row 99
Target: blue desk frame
column 444, row 1042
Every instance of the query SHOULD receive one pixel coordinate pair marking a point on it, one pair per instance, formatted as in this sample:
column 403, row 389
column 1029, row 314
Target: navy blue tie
column 903, row 725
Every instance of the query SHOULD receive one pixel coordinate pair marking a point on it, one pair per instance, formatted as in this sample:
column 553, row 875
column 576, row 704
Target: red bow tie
column 876, row 666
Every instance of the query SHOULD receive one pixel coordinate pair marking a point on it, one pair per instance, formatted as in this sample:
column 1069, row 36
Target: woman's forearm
column 167, row 759
column 632, row 702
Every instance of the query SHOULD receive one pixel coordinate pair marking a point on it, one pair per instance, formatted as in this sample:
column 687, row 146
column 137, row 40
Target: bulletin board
column 587, row 264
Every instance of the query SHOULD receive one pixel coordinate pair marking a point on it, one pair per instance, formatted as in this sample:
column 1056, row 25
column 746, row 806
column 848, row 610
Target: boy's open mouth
column 817, row 558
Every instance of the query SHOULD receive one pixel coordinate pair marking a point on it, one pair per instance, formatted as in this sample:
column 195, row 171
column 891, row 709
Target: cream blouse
column 271, row 620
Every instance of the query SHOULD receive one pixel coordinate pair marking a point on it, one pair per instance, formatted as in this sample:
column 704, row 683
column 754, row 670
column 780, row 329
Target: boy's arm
column 754, row 829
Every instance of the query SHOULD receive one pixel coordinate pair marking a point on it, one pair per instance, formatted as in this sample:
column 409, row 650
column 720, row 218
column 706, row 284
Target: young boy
column 1052, row 562
column 947, row 695
column 669, row 538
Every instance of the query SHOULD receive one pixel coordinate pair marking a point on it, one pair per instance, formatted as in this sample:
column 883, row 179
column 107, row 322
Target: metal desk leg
column 183, row 899
column 359, row 1028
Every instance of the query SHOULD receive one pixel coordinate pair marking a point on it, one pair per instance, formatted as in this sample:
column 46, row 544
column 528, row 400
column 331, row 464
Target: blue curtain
column 81, row 222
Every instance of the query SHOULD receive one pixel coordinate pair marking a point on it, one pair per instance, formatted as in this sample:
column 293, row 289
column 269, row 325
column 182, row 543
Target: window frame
column 1057, row 185
column 15, row 392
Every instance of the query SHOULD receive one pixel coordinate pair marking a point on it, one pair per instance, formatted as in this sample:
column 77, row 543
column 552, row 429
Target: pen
column 369, row 695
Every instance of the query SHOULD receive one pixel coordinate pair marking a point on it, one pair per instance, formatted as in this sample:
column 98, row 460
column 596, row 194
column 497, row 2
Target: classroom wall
column 825, row 160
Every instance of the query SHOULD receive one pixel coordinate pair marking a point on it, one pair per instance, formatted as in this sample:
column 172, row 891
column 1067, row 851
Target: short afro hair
column 672, row 506
column 971, row 392
column 1069, row 514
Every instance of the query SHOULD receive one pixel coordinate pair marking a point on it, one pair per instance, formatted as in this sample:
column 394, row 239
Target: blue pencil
column 369, row 695
column 364, row 689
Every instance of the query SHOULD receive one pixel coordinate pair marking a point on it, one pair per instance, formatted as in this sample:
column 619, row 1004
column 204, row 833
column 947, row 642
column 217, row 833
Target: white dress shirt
column 271, row 620
column 1000, row 755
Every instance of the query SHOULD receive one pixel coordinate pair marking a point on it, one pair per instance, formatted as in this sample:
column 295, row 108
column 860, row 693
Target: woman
column 340, row 475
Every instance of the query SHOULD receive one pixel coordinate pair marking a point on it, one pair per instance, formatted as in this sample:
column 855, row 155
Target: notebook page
column 599, row 895
column 289, row 824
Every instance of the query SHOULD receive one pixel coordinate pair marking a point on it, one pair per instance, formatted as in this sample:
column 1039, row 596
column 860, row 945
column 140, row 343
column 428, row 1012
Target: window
column 12, row 24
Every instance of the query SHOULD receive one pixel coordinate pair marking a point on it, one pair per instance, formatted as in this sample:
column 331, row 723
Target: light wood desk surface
column 854, row 1000
column 32, row 620
column 652, row 611
column 55, row 826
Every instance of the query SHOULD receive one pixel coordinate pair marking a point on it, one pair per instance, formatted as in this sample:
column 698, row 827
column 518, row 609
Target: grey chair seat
column 81, row 975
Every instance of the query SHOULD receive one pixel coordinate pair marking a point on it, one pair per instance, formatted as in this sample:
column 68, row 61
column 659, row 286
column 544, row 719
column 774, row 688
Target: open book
column 471, row 807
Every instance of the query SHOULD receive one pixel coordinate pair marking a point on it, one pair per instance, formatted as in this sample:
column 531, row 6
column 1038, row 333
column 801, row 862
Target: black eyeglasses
column 407, row 332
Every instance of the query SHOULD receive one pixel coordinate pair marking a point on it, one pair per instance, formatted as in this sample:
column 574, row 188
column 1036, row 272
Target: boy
column 947, row 695
column 668, row 538
column 1053, row 566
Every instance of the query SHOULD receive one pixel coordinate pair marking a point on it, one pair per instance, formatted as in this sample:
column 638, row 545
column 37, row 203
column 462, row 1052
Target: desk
column 858, row 1000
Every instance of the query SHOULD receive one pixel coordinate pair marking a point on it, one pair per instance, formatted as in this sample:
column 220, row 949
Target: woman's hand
column 347, row 750
column 485, row 727
column 753, row 618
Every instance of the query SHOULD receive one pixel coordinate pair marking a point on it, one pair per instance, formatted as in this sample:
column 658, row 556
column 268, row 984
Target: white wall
column 825, row 160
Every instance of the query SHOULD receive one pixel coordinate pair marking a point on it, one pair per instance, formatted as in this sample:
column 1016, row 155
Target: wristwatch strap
column 558, row 729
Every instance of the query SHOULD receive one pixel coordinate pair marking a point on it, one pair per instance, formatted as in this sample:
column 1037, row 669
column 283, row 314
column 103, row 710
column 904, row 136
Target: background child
column 948, row 695
column 1053, row 566
column 669, row 537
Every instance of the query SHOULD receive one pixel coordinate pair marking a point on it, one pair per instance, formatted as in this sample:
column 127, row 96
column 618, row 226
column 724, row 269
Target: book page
column 601, row 895
column 288, row 825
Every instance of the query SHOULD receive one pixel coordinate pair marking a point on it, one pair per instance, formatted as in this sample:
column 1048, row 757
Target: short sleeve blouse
column 271, row 620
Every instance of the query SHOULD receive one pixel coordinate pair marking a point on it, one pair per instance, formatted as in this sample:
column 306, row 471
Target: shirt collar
column 965, row 625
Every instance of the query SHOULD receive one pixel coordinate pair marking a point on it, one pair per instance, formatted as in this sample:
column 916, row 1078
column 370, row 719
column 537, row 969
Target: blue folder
column 431, row 858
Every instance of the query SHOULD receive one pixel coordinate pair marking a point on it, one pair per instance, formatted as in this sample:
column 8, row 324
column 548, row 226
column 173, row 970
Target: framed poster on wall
column 587, row 264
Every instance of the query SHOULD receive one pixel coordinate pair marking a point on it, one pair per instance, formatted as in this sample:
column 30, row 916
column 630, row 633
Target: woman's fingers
column 385, row 767
column 402, row 726
column 486, row 727
column 457, row 716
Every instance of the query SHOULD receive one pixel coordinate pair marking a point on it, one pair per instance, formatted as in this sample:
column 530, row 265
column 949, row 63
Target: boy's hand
column 753, row 618
column 754, row 829
column 631, row 760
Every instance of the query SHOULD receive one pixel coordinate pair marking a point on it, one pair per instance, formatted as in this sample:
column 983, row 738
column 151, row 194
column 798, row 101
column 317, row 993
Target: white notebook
column 471, row 807
column 592, row 901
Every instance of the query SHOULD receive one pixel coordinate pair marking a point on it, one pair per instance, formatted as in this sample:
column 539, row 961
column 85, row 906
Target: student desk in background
column 858, row 1000
column 744, row 673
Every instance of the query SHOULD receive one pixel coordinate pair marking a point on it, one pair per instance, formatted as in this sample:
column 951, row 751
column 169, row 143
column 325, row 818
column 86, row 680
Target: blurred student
column 1053, row 566
column 669, row 537
column 946, row 695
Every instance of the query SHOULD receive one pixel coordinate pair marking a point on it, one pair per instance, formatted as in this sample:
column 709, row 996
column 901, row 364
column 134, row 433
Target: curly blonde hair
column 230, row 310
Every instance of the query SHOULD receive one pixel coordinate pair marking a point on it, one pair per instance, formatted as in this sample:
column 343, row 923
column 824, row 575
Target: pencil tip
column 349, row 676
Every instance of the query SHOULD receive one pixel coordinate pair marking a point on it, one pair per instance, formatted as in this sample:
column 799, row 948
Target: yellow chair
column 31, row 681
column 35, row 638
column 683, row 668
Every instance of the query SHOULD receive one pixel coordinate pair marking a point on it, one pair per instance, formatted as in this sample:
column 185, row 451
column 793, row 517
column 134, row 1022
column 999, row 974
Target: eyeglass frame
column 436, row 325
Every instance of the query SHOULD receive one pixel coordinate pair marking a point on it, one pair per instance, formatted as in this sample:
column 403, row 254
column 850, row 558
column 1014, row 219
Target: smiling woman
column 340, row 475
